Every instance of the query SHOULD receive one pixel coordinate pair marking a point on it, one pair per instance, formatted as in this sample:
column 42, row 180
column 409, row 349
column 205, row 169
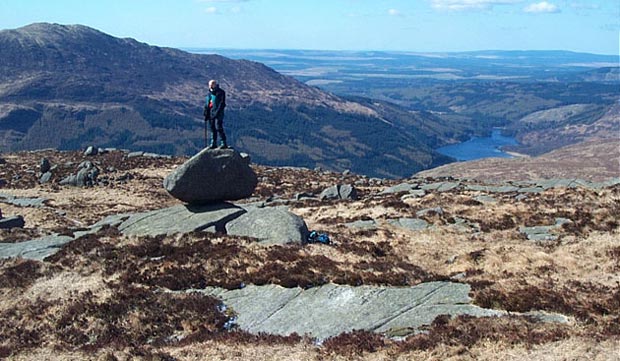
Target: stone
column 12, row 222
column 416, row 193
column 330, row 310
column 91, row 150
column 539, row 233
column 530, row 190
column 440, row 186
column 86, row 176
column 521, row 197
column 45, row 177
column 413, row 224
column 211, row 176
column 485, row 199
column 270, row 225
column 347, row 191
column 45, row 165
column 463, row 225
column 22, row 202
column 367, row 225
column 339, row 191
column 492, row 189
column 181, row 218
column 400, row 188
column 427, row 211
column 36, row 249
column 135, row 154
column 304, row 195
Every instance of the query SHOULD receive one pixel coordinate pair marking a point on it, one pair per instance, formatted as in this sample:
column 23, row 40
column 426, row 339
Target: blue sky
column 405, row 25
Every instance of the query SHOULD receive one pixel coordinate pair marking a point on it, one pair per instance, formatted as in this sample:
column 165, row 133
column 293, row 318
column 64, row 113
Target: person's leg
column 213, row 133
column 220, row 130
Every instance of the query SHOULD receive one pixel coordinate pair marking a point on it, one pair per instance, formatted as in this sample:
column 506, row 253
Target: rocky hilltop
column 313, row 265
column 69, row 86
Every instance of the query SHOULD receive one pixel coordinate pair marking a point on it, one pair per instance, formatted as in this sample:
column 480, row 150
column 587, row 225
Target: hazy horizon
column 424, row 26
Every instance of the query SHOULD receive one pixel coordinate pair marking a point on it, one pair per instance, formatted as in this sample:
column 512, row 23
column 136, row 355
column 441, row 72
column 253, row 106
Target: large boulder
column 271, row 225
column 212, row 176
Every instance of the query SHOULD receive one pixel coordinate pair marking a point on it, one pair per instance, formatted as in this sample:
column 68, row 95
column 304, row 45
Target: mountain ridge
column 122, row 93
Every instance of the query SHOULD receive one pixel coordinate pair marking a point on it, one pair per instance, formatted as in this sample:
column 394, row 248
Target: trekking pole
column 206, row 135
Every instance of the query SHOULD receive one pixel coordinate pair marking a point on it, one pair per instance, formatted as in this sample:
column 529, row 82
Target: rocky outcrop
column 86, row 176
column 270, row 225
column 331, row 309
column 212, row 176
column 339, row 191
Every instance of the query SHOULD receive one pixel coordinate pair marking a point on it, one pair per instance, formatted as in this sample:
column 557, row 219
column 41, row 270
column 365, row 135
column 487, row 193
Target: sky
column 591, row 26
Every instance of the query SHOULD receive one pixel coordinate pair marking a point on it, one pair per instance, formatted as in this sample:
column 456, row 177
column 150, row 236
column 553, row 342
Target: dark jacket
column 217, row 99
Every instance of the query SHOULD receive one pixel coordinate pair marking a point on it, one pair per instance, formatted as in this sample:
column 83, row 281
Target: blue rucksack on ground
column 316, row 237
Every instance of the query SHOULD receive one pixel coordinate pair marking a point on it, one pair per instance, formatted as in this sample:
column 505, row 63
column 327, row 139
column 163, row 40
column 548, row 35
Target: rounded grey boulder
column 212, row 176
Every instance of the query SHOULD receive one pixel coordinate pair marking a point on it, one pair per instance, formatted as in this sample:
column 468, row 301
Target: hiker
column 214, row 114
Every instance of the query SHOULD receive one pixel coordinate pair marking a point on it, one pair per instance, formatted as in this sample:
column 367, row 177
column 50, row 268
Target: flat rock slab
column 177, row 219
column 440, row 186
column 400, row 188
column 22, row 202
column 492, row 189
column 413, row 224
column 331, row 309
column 36, row 249
column 367, row 225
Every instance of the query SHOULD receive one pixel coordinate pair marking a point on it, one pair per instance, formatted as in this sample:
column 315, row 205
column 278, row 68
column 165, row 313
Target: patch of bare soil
column 106, row 296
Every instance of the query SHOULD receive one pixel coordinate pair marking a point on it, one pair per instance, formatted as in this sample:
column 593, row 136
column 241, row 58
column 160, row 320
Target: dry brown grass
column 77, row 303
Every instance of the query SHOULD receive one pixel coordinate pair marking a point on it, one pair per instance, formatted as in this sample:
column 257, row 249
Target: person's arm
column 218, row 104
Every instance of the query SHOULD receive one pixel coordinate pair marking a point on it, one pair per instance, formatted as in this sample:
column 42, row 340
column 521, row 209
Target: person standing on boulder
column 214, row 114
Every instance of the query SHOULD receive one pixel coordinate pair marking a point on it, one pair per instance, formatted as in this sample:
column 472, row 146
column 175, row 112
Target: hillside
column 555, row 128
column 595, row 160
column 539, row 263
column 69, row 86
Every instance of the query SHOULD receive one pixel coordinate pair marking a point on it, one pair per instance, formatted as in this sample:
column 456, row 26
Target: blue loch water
column 479, row 147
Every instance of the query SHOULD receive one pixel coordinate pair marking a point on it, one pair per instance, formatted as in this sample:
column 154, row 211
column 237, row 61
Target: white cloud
column 211, row 10
column 394, row 12
column 470, row 4
column 542, row 7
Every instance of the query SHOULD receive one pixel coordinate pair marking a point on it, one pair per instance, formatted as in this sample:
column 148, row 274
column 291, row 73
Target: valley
column 472, row 92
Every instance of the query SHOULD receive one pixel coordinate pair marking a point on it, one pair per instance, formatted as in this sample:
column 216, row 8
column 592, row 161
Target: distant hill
column 550, row 129
column 69, row 86
column 594, row 160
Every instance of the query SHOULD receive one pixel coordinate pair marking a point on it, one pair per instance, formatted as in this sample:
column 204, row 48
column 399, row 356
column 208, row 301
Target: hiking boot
column 212, row 146
column 223, row 146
